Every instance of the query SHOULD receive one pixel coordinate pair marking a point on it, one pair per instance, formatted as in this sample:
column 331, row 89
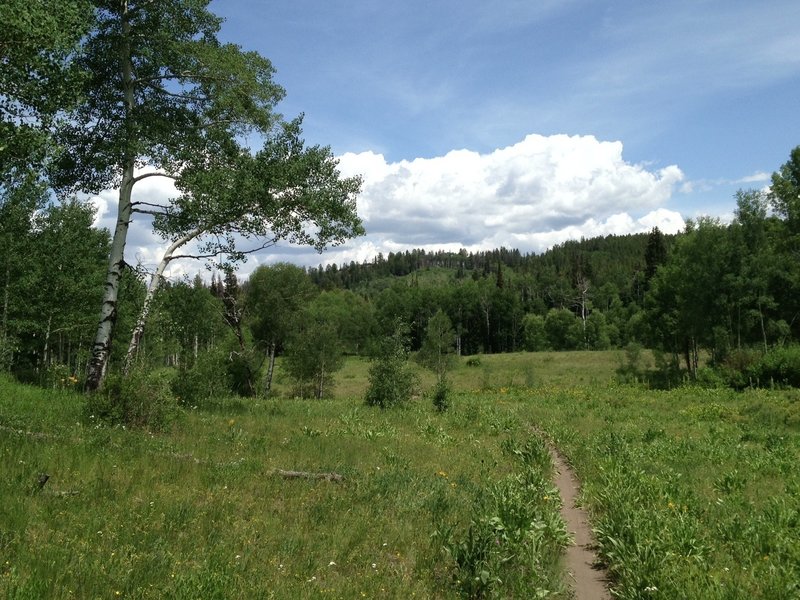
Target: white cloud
column 758, row 177
column 519, row 196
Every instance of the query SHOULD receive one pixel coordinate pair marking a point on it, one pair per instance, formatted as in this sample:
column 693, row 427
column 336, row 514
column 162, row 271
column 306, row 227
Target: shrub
column 391, row 381
column 441, row 395
column 208, row 378
column 136, row 400
column 779, row 366
column 710, row 378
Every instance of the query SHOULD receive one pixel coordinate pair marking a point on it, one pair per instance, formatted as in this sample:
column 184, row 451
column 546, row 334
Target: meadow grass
column 693, row 493
column 202, row 513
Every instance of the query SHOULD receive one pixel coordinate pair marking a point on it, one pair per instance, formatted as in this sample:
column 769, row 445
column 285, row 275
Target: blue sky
column 522, row 122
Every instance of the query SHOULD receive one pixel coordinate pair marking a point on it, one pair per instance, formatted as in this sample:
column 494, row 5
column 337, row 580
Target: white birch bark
column 101, row 349
column 155, row 283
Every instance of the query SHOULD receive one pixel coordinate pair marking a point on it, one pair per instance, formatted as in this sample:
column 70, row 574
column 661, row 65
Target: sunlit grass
column 202, row 512
column 694, row 493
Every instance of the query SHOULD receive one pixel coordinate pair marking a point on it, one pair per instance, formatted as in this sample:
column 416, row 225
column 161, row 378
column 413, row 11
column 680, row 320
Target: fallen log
column 308, row 475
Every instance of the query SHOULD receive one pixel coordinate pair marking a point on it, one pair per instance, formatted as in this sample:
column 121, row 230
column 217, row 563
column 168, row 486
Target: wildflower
column 331, row 564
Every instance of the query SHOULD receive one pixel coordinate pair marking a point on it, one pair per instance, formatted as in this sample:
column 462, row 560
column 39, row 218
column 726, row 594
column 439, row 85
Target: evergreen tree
column 655, row 254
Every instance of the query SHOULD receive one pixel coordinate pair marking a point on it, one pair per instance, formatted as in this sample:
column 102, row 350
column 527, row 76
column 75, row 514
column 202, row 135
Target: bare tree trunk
column 270, row 369
column 101, row 349
column 155, row 283
column 45, row 353
column 321, row 381
column 6, row 285
column 763, row 329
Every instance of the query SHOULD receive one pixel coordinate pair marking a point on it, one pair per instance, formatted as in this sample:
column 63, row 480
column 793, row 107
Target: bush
column 391, row 381
column 710, row 378
column 441, row 395
column 136, row 400
column 779, row 366
column 737, row 367
column 208, row 378
column 776, row 367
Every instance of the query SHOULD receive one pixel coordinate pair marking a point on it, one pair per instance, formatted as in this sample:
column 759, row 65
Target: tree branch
column 152, row 174
column 152, row 213
column 266, row 244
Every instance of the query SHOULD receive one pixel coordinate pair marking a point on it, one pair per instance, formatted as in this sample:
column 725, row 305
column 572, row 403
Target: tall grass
column 693, row 493
column 203, row 512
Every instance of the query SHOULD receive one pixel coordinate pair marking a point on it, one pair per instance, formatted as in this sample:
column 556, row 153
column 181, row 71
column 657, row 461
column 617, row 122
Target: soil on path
column 588, row 582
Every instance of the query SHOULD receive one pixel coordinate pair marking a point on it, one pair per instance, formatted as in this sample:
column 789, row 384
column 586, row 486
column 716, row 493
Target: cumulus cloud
column 528, row 195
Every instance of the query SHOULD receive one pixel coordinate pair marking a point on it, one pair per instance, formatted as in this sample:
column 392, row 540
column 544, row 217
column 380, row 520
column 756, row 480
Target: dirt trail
column 588, row 582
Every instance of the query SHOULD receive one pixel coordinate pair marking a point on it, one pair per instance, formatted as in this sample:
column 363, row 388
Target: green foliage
column 274, row 297
column 53, row 264
column 437, row 349
column 597, row 332
column 206, row 379
column 563, row 330
column 315, row 351
column 391, row 381
column 785, row 191
column 437, row 355
column 36, row 80
column 141, row 400
column 534, row 332
column 779, row 366
column 441, row 395
column 513, row 543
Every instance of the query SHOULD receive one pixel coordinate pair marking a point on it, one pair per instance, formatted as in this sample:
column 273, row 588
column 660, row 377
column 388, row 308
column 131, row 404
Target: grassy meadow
column 694, row 493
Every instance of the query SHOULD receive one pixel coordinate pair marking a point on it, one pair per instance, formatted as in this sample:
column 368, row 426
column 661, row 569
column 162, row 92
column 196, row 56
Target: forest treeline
column 729, row 292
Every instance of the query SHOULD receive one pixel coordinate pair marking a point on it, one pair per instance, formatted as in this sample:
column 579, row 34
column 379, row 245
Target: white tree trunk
column 101, row 349
column 270, row 369
column 155, row 283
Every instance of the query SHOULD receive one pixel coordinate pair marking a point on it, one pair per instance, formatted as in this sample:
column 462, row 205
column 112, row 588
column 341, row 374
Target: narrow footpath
column 588, row 582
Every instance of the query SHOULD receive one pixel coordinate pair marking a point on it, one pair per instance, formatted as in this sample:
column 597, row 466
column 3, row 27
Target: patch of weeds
column 513, row 542
column 310, row 431
column 731, row 482
column 140, row 399
column 441, row 395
